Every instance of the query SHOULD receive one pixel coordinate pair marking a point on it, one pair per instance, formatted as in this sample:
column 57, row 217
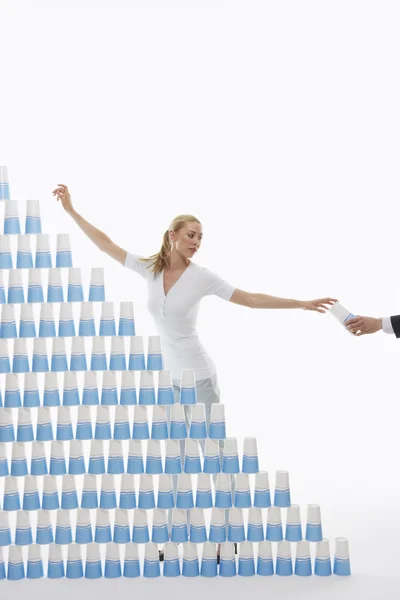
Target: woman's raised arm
column 97, row 236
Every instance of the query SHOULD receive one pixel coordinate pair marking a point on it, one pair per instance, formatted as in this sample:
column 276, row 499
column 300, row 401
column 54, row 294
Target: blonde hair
column 161, row 259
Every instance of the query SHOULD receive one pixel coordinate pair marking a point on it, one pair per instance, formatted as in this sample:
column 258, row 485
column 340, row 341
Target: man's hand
column 361, row 325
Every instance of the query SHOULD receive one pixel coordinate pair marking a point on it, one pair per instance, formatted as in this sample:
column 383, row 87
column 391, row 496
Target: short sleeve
column 214, row 285
column 132, row 262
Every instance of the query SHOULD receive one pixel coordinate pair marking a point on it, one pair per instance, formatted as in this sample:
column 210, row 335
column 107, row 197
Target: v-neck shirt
column 175, row 314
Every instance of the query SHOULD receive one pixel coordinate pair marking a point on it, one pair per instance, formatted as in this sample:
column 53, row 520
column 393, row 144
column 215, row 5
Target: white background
column 277, row 125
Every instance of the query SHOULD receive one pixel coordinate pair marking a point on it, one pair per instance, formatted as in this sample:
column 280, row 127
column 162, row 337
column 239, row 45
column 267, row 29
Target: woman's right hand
column 63, row 194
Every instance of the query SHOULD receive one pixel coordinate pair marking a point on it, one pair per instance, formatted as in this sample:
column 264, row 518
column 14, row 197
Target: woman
column 176, row 286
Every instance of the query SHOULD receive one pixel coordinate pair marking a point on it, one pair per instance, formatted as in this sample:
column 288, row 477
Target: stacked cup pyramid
column 95, row 454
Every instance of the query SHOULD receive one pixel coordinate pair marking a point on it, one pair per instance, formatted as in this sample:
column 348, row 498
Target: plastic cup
column 151, row 567
column 35, row 286
column 217, row 429
column 96, row 458
column 192, row 462
column 246, row 559
column 140, row 423
column 227, row 565
column 127, row 497
column 78, row 354
column 188, row 393
column 184, row 498
column 165, row 497
column 55, row 291
column 66, row 323
column 33, row 222
column 265, row 564
column 93, row 568
column 44, row 530
column 58, row 355
column 135, row 457
column 165, row 393
column 140, row 533
column 75, row 289
column 16, row 567
column 74, row 562
column 128, row 388
column 159, row 533
column 63, row 527
column 109, row 396
column 255, row 527
column 107, row 319
column 154, row 354
column 302, row 565
column 69, row 498
column 146, row 492
column 147, row 393
column 90, row 394
column 284, row 564
column 262, row 496
column 11, row 500
column 293, row 531
column 96, row 287
column 50, row 499
column 153, row 458
column 102, row 533
column 23, row 529
column 40, row 361
column 117, row 354
column 70, row 389
column 341, row 563
column 24, row 252
column 322, row 564
column 103, row 427
column 230, row 456
column 126, row 325
column 64, row 424
column 173, row 464
column 121, row 527
column 203, row 491
column 179, row 531
column 108, row 498
column 31, row 499
column 83, row 532
column 63, row 250
column 86, row 320
column 89, row 492
column 27, row 325
column 115, row 465
column 15, row 287
column 55, row 565
column 43, row 254
column 197, row 528
column 190, row 565
column 314, row 527
column 159, row 426
column 136, row 353
column 24, row 428
column 131, row 561
column 217, row 525
column 282, row 489
column 223, row 491
column 274, row 524
column 112, row 567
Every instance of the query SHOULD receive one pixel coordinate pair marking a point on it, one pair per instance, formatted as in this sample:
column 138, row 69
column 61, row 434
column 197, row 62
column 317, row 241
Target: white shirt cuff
column 387, row 325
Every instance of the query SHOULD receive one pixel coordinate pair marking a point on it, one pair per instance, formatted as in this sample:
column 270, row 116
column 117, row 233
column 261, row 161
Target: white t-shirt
column 176, row 313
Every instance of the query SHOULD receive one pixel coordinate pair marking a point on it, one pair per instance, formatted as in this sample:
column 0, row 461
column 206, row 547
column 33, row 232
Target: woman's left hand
column 318, row 305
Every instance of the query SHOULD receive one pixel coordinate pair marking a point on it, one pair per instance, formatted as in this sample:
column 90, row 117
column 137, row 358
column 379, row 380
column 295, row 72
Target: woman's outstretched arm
column 98, row 237
column 265, row 301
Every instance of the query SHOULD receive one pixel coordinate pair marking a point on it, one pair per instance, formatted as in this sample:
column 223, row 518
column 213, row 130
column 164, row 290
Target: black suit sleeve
column 395, row 321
